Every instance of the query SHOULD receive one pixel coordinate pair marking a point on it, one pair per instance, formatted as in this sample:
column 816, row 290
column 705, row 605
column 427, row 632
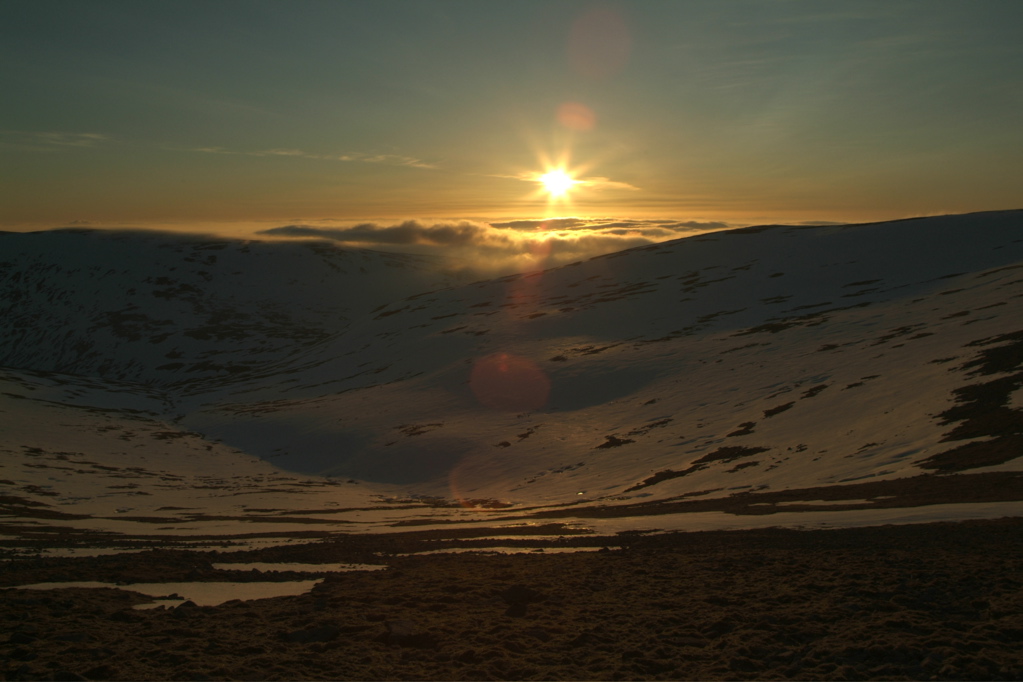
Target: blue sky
column 149, row 113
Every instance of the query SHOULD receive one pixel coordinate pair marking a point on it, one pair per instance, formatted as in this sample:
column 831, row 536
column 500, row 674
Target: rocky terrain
column 935, row 601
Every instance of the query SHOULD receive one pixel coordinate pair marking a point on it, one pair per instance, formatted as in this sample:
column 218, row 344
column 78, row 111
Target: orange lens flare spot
column 576, row 116
column 503, row 381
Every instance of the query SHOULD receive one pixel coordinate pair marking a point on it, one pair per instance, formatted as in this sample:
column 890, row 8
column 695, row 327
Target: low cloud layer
column 462, row 233
column 509, row 246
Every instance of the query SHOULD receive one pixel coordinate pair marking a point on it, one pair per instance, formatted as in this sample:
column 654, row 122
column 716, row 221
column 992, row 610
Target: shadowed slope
column 171, row 309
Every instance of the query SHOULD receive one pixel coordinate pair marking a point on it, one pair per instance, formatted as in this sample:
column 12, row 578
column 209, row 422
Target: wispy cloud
column 389, row 159
column 50, row 140
column 597, row 182
column 286, row 152
column 360, row 157
column 211, row 150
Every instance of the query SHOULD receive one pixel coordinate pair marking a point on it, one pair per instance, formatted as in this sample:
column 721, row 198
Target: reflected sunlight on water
column 201, row 593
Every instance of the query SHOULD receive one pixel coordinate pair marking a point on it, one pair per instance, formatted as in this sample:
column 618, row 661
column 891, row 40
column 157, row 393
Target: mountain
column 849, row 372
column 180, row 310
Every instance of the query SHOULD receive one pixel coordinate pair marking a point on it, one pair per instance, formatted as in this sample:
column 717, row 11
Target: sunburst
column 557, row 182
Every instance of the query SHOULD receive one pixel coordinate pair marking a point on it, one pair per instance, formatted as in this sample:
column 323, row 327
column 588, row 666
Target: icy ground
column 161, row 386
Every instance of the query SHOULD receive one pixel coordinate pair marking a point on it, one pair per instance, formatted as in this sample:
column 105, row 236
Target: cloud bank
column 510, row 246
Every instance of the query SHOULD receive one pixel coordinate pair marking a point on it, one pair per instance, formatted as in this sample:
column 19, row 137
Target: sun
column 556, row 182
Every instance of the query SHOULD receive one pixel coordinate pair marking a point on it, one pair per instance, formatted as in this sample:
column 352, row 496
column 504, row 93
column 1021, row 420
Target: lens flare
column 504, row 381
column 576, row 116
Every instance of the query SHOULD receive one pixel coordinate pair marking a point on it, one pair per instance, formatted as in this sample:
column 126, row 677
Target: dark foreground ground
column 938, row 601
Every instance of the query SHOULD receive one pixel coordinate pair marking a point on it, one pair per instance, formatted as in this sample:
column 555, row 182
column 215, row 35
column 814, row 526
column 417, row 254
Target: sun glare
column 556, row 182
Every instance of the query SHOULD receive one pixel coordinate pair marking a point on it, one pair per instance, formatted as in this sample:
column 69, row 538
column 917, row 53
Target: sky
column 302, row 115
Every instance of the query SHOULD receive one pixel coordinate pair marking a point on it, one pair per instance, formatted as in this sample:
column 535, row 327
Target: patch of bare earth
column 982, row 411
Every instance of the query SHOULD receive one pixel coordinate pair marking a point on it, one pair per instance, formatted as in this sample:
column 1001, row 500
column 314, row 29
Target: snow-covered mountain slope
column 754, row 371
column 781, row 340
column 163, row 309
